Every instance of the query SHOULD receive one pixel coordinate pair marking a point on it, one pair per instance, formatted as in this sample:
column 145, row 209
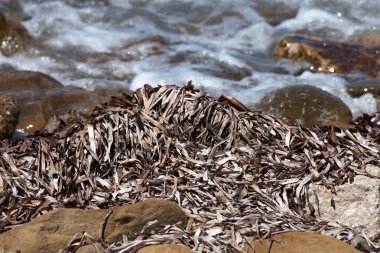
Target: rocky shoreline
column 170, row 169
column 238, row 175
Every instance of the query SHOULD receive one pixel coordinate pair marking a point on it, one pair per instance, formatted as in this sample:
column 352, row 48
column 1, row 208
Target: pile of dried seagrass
column 239, row 174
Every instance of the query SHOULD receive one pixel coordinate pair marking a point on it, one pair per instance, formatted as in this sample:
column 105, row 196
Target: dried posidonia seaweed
column 238, row 174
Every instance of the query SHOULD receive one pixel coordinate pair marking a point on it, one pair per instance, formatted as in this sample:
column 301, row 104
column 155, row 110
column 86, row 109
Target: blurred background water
column 225, row 47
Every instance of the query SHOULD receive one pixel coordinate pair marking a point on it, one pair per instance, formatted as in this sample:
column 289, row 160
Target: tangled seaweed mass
column 238, row 174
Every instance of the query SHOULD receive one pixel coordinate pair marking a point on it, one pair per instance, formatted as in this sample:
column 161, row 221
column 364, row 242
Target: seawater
column 224, row 47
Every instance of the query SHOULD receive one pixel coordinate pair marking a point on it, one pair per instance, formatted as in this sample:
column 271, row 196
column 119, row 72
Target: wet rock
column 140, row 49
column 306, row 105
column 355, row 204
column 220, row 17
column 14, row 37
column 25, row 83
column 9, row 111
column 29, row 88
column 331, row 56
column 275, row 13
column 67, row 99
column 215, row 67
column 60, row 101
column 362, row 87
column 365, row 38
column 166, row 248
column 133, row 50
column 301, row 242
column 223, row 70
column 41, row 97
column 54, row 230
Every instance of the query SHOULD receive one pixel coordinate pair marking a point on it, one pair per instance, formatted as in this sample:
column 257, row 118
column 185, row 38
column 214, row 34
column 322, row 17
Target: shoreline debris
column 238, row 174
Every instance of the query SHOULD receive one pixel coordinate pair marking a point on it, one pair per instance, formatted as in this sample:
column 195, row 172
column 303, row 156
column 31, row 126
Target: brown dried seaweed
column 238, row 174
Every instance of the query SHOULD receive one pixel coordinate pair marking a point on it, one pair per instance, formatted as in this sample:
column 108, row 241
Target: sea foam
column 85, row 44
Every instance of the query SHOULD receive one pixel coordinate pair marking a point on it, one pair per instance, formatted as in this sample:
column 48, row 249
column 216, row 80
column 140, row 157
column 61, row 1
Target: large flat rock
column 54, row 230
column 301, row 242
column 166, row 248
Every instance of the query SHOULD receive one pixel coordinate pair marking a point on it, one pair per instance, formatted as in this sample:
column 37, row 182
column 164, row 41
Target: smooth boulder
column 54, row 230
column 306, row 105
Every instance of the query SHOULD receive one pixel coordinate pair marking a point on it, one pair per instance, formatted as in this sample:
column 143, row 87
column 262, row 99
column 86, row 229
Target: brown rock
column 25, row 83
column 13, row 36
column 9, row 111
column 166, row 248
column 54, row 230
column 275, row 13
column 366, row 39
column 160, row 248
column 29, row 88
column 133, row 218
column 34, row 116
column 301, row 242
column 41, row 96
column 92, row 248
column 330, row 56
column 306, row 105
column 214, row 66
column 358, row 89
column 226, row 71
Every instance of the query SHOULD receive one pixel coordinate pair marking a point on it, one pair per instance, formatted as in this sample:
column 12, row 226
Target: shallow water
column 225, row 47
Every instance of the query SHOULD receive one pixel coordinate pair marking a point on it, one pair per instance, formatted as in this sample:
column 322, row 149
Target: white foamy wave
column 178, row 75
column 314, row 19
column 63, row 25
column 255, row 36
column 225, row 47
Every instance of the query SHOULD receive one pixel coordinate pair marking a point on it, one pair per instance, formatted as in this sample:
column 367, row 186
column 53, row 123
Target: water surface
column 225, row 47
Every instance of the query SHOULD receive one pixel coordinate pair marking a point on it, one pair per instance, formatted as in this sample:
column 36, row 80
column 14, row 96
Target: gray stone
column 373, row 170
column 357, row 204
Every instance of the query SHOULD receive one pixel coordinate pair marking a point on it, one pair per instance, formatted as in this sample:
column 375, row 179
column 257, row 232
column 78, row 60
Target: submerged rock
column 14, row 37
column 306, row 105
column 330, row 56
column 54, row 230
column 9, row 111
column 301, row 242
